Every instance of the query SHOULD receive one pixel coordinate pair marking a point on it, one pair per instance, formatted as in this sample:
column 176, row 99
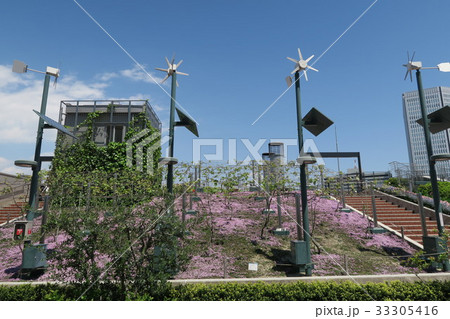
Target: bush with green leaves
column 444, row 190
column 299, row 291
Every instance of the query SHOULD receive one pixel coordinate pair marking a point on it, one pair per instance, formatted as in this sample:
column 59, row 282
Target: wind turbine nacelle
column 302, row 64
column 415, row 65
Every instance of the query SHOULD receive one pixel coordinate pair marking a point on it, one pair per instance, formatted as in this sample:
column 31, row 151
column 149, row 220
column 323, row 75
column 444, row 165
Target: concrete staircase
column 398, row 218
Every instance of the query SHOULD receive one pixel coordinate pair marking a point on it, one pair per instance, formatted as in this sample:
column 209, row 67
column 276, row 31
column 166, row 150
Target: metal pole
column 422, row 216
column 44, row 219
column 374, row 208
column 183, row 210
column 33, row 199
column 303, row 189
column 171, row 132
column 342, row 190
column 299, row 216
column 279, row 210
column 360, row 173
column 433, row 177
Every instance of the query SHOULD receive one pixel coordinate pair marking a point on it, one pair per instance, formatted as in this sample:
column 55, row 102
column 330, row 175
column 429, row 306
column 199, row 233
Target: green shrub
column 299, row 291
column 444, row 190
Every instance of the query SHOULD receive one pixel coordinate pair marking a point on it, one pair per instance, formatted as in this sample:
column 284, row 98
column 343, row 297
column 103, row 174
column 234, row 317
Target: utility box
column 34, row 257
column 22, row 230
column 299, row 252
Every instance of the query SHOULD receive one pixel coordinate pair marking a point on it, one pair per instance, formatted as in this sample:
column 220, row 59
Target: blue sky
column 235, row 53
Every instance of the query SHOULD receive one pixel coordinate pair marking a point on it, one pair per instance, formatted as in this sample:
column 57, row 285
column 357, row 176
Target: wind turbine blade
column 179, row 63
column 410, row 75
column 308, row 59
column 173, row 58
column 311, row 68
column 288, row 81
column 407, row 53
column 177, row 83
column 406, row 75
column 160, row 69
column 306, row 77
column 295, row 70
column 164, row 80
column 182, row 73
column 291, row 59
column 412, row 58
column 168, row 63
column 300, row 54
column 444, row 67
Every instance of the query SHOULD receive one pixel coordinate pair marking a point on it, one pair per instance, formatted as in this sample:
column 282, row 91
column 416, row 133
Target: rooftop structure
column 114, row 120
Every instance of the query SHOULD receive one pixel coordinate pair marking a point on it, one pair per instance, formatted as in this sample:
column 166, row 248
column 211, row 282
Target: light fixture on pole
column 301, row 249
column 432, row 244
column 21, row 67
column 185, row 120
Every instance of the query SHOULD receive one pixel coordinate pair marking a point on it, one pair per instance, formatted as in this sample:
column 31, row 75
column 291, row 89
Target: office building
column 435, row 98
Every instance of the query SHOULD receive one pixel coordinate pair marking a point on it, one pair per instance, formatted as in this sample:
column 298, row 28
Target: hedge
column 300, row 291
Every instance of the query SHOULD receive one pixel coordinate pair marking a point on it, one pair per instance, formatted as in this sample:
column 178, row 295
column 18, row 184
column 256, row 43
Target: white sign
column 253, row 266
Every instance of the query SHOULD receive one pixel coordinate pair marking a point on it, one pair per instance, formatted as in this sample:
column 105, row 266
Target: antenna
column 301, row 64
column 171, row 68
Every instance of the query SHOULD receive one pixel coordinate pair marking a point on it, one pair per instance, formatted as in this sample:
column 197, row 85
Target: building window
column 109, row 133
column 116, row 133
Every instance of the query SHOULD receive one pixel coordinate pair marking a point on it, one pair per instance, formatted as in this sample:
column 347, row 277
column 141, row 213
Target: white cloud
column 7, row 166
column 134, row 74
column 19, row 96
column 21, row 93
column 137, row 74
column 107, row 76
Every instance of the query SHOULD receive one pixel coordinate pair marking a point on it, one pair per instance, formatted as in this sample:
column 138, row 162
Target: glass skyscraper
column 435, row 98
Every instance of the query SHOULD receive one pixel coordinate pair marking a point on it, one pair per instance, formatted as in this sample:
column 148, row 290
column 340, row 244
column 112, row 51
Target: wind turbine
column 172, row 67
column 417, row 65
column 301, row 249
column 301, row 64
column 185, row 120
column 430, row 244
column 411, row 65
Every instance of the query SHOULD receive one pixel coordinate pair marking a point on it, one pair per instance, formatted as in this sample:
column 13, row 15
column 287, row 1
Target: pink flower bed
column 238, row 216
